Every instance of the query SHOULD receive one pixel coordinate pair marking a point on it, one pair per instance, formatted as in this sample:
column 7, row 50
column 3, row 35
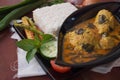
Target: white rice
column 49, row 19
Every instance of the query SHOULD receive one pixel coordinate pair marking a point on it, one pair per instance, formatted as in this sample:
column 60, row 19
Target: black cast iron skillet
column 79, row 16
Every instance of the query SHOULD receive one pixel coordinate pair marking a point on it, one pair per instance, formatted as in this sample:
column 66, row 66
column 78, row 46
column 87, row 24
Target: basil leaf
column 30, row 54
column 36, row 37
column 27, row 44
column 47, row 38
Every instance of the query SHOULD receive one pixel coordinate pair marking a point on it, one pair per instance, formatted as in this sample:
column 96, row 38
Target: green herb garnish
column 32, row 46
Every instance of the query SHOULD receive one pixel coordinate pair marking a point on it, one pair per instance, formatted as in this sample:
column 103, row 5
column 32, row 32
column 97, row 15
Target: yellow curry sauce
column 91, row 39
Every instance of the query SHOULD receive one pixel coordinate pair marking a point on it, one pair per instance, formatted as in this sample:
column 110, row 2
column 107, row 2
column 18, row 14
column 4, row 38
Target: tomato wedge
column 58, row 68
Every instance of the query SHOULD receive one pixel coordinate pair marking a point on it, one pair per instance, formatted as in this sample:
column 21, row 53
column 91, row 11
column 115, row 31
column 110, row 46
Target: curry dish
column 91, row 39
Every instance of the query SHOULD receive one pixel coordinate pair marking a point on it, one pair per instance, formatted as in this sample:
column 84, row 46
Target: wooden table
column 8, row 58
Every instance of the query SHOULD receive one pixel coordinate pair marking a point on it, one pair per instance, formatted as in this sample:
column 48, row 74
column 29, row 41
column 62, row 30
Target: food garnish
column 38, row 40
column 49, row 49
column 58, row 68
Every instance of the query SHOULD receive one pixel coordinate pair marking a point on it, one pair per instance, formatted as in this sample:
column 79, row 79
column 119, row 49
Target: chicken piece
column 81, row 37
column 107, row 42
column 89, row 37
column 104, row 21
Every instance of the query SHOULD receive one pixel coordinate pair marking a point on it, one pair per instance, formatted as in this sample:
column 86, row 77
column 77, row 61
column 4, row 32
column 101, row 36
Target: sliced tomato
column 58, row 68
